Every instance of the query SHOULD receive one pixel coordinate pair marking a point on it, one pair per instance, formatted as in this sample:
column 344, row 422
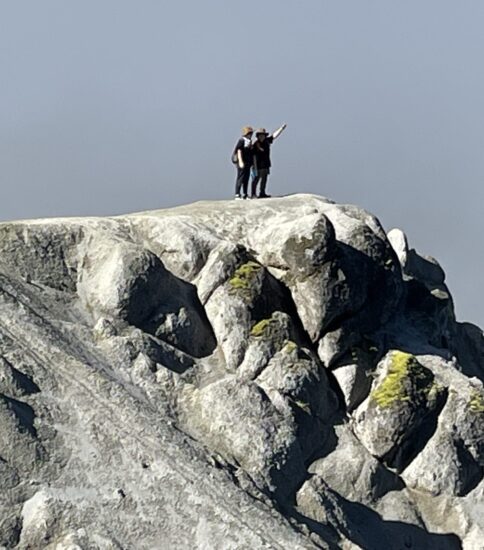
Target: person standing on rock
column 262, row 159
column 243, row 159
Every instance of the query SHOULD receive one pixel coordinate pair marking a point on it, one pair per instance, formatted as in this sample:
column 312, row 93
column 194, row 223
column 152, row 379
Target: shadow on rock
column 371, row 531
column 180, row 319
column 468, row 345
column 121, row 280
column 326, row 512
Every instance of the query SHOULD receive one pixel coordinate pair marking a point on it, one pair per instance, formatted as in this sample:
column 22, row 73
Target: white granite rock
column 192, row 378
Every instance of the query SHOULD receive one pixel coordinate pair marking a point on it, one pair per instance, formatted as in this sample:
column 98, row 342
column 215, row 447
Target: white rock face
column 257, row 374
column 399, row 243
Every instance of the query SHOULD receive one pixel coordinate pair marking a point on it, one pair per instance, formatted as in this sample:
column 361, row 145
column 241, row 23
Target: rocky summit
column 278, row 373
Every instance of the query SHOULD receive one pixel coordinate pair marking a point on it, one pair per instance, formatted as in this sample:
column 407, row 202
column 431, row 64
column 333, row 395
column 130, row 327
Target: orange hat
column 247, row 130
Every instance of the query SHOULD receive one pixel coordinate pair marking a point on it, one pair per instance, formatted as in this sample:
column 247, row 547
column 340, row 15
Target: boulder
column 268, row 337
column 181, row 243
column 458, row 442
column 398, row 240
column 294, row 379
column 424, row 268
column 352, row 472
column 119, row 280
column 300, row 245
column 239, row 421
column 250, row 295
column 354, row 374
column 399, row 415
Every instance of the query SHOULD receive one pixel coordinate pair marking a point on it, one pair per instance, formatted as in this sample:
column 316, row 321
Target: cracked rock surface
column 277, row 373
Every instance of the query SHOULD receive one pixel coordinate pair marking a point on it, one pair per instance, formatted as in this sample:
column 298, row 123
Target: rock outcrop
column 257, row 374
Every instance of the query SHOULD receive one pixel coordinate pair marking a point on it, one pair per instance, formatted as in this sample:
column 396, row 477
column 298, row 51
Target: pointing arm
column 279, row 131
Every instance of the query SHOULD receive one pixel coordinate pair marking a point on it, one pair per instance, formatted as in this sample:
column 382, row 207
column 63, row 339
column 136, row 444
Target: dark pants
column 261, row 175
column 243, row 175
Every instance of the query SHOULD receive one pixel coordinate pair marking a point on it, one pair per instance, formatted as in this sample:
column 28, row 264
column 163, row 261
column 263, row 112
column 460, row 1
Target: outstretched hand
column 279, row 131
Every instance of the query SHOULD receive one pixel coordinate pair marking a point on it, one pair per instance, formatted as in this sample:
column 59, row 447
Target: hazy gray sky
column 111, row 106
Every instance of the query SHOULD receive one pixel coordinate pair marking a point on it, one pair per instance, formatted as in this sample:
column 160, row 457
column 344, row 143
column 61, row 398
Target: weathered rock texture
column 260, row 374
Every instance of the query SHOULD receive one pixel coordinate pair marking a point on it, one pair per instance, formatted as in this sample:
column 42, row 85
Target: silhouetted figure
column 243, row 158
column 261, row 151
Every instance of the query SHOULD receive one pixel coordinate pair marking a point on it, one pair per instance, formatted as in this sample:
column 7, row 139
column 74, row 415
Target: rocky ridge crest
column 279, row 373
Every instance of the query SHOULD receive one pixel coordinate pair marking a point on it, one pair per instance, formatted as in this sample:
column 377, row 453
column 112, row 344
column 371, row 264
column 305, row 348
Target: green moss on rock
column 290, row 346
column 476, row 403
column 259, row 328
column 244, row 275
column 406, row 379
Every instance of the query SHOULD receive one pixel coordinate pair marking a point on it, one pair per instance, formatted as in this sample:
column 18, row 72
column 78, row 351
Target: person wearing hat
column 243, row 158
column 262, row 159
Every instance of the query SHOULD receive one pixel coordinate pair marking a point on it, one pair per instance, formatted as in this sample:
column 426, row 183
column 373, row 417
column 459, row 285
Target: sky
column 114, row 106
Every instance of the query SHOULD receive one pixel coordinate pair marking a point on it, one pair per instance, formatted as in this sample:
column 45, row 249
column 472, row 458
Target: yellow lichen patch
column 476, row 403
column 290, row 346
column 239, row 284
column 243, row 275
column 394, row 387
column 259, row 328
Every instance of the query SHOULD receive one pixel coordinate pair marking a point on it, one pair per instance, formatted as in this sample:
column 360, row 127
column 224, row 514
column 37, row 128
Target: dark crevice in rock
column 23, row 382
column 471, row 472
column 10, row 531
column 194, row 335
column 329, row 445
column 414, row 442
column 291, row 309
column 416, row 347
column 327, row 532
column 468, row 345
column 340, row 320
column 24, row 414
column 430, row 309
column 317, row 439
column 338, row 392
column 377, row 291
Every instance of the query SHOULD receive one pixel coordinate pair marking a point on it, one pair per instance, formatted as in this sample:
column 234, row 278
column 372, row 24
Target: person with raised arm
column 261, row 150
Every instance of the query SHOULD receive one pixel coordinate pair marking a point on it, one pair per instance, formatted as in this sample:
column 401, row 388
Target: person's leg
column 245, row 181
column 255, row 181
column 239, row 181
column 263, row 183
